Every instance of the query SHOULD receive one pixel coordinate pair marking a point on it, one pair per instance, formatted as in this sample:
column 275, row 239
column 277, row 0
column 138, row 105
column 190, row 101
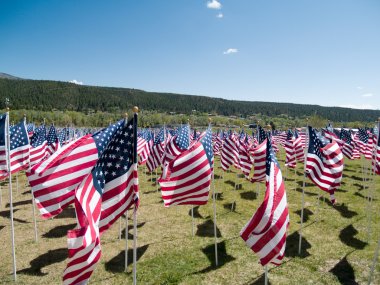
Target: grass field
column 336, row 247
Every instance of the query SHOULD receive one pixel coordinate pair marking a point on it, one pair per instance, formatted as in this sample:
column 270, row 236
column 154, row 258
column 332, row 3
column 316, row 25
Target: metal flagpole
column 126, row 242
column 374, row 262
column 34, row 219
column 120, row 230
column 303, row 193
column 266, row 275
column 17, row 183
column 135, row 111
column 7, row 141
column 1, row 198
column 192, row 220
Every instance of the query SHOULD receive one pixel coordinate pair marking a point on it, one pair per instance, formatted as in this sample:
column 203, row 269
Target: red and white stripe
column 54, row 180
column 326, row 174
column 259, row 160
column 244, row 159
column 265, row 233
column 290, row 159
column 37, row 154
column 188, row 178
column 143, row 149
column 155, row 156
column 230, row 153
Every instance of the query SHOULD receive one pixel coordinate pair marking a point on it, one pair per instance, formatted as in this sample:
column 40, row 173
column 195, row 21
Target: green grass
column 336, row 246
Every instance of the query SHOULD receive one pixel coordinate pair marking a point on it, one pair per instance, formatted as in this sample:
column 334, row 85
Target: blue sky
column 324, row 52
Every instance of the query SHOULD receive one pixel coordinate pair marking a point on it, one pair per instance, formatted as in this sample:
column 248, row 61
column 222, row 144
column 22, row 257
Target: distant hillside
column 8, row 76
column 48, row 95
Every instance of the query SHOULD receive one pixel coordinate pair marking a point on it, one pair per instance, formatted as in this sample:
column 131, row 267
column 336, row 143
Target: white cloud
column 367, row 95
column 359, row 88
column 362, row 106
column 214, row 4
column 76, row 82
column 230, row 50
column 220, row 15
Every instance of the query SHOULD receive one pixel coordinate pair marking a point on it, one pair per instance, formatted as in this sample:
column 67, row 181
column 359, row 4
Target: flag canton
column 315, row 143
column 206, row 142
column 103, row 137
column 30, row 127
column 270, row 157
column 52, row 136
column 18, row 136
column 39, row 136
column 62, row 135
column 117, row 158
column 159, row 137
column 182, row 139
column 262, row 135
column 289, row 135
column 345, row 136
column 363, row 136
column 3, row 118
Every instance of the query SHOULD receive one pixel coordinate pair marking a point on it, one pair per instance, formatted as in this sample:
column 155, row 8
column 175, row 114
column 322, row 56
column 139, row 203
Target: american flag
column 244, row 157
column 54, row 180
column 144, row 142
column 156, row 151
column 3, row 153
column 52, row 141
column 189, row 175
column 290, row 159
column 299, row 145
column 19, row 147
column 259, row 159
column 230, row 152
column 62, row 136
column 376, row 153
column 324, row 163
column 30, row 129
column 363, row 142
column 38, row 145
column 216, row 143
column 348, row 147
column 102, row 197
column 261, row 135
column 175, row 146
column 265, row 233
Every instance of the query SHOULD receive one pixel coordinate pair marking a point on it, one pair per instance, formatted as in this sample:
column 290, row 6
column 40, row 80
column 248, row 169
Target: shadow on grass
column 357, row 178
column 292, row 246
column 7, row 215
column 260, row 280
column 344, row 272
column 341, row 190
column 230, row 182
column 46, row 259
column 196, row 213
column 223, row 257
column 307, row 184
column 150, row 192
column 130, row 227
column 117, row 264
column 26, row 192
column 248, row 195
column 207, row 229
column 230, row 206
column 341, row 208
column 20, row 203
column 66, row 213
column 360, row 186
column 59, row 231
column 306, row 214
column 219, row 196
column 347, row 237
column 306, row 192
column 364, row 197
column 2, row 227
column 216, row 176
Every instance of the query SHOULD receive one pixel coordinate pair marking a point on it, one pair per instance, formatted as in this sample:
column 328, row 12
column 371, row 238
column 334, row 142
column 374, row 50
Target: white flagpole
column 120, row 230
column 7, row 139
column 303, row 192
column 266, row 275
column 126, row 242
column 192, row 220
column 135, row 111
column 374, row 262
column 17, row 183
column 34, row 219
column 1, row 198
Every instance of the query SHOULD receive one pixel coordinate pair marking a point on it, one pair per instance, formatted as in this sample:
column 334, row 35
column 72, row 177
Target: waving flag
column 376, row 153
column 265, row 233
column 244, row 157
column 38, row 145
column 189, row 175
column 348, row 147
column 324, row 164
column 290, row 159
column 299, row 145
column 230, row 153
column 3, row 147
column 259, row 160
column 156, row 152
column 364, row 143
column 102, row 197
column 54, row 180
column 52, row 141
column 143, row 146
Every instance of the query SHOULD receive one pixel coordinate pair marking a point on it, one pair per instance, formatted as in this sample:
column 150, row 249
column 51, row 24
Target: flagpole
column 266, row 274
column 214, row 206
column 7, row 138
column 126, row 242
column 135, row 111
column 303, row 191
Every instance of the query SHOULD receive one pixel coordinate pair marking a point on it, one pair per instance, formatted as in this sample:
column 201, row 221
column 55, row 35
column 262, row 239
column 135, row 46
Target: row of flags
column 97, row 172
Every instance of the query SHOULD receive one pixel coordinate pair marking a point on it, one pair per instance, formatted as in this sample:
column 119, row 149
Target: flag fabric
column 54, row 180
column 38, row 145
column 19, row 147
column 259, row 160
column 348, row 147
column 52, row 141
column 30, row 129
column 102, row 197
column 157, row 151
column 299, row 145
column 324, row 164
column 230, row 153
column 3, row 147
column 363, row 142
column 290, row 159
column 244, row 157
column 217, row 144
column 189, row 175
column 265, row 232
column 376, row 153
column 176, row 145
column 143, row 146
